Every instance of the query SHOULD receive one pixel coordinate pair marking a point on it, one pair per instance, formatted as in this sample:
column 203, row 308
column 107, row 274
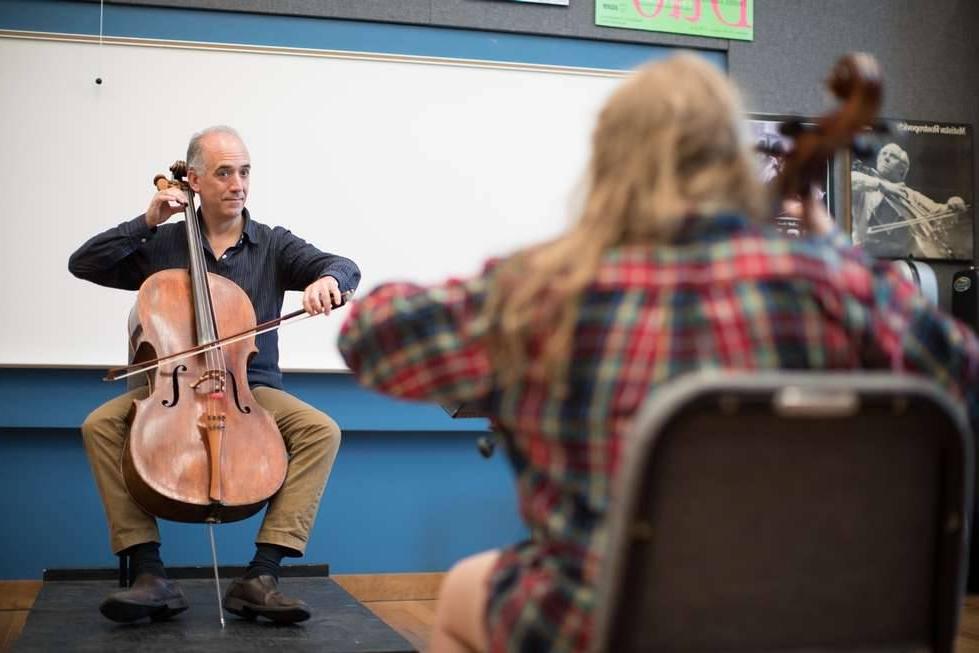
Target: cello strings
column 213, row 370
column 212, row 359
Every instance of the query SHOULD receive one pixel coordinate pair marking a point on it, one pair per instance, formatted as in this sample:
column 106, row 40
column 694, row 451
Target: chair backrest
column 790, row 512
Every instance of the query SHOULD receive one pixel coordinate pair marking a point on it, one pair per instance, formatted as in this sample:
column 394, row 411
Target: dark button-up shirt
column 265, row 262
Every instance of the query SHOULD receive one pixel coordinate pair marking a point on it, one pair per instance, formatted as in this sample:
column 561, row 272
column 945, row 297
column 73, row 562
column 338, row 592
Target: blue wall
column 409, row 491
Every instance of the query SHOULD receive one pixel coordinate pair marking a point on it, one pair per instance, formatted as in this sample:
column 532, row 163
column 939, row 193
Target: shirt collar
column 707, row 228
column 249, row 231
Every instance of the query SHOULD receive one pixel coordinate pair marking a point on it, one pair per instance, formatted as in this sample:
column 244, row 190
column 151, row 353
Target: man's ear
column 193, row 180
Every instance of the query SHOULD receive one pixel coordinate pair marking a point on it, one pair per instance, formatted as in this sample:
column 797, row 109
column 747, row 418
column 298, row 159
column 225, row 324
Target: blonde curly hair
column 668, row 143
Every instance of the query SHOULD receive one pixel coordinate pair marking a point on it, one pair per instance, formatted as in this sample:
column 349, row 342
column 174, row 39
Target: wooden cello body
column 200, row 447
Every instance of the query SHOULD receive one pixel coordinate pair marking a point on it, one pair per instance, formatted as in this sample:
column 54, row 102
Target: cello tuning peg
column 179, row 169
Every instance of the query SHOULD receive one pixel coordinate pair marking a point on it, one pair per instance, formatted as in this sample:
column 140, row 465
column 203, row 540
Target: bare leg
column 459, row 621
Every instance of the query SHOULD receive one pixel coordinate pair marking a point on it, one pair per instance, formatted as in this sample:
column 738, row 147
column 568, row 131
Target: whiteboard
column 417, row 169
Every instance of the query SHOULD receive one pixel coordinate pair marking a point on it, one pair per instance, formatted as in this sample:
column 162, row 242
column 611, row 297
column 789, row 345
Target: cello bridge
column 217, row 376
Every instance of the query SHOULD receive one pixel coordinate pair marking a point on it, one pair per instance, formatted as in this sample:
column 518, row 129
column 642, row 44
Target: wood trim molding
column 312, row 52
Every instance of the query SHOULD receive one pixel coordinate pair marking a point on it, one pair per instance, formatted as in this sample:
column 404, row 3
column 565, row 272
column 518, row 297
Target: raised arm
column 420, row 343
column 111, row 257
column 302, row 263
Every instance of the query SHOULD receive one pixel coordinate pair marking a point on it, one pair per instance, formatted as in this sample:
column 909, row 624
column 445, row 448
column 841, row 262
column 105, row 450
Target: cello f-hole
column 170, row 403
column 234, row 391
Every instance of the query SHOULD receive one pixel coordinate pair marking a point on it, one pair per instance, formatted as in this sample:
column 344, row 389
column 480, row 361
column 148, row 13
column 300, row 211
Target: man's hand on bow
column 322, row 296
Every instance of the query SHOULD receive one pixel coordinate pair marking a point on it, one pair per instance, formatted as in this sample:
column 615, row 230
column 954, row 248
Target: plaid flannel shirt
column 722, row 294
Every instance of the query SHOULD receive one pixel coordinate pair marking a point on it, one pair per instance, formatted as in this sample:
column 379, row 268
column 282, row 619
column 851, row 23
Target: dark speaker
column 965, row 297
column 965, row 306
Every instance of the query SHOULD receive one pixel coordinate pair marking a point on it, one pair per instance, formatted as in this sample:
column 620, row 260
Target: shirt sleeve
column 109, row 258
column 899, row 328
column 302, row 263
column 863, row 182
column 420, row 343
column 905, row 332
column 918, row 203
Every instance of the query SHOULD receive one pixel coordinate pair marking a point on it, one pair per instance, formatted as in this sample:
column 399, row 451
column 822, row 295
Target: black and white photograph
column 771, row 144
column 912, row 192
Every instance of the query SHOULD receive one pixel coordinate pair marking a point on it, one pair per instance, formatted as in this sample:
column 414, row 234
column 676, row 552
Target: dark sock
column 266, row 561
column 145, row 559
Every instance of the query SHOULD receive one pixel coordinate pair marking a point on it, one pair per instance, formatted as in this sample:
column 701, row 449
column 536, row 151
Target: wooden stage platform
column 63, row 615
column 406, row 602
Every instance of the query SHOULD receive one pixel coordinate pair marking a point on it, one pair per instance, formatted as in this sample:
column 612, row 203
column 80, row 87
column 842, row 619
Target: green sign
column 723, row 19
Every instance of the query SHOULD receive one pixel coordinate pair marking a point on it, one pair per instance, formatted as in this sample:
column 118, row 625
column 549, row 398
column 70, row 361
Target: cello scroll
column 856, row 82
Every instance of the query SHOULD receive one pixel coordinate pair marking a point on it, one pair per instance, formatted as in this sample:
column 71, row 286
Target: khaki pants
column 311, row 438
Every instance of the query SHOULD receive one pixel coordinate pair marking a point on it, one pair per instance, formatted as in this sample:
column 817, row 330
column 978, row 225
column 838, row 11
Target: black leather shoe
column 260, row 597
column 150, row 596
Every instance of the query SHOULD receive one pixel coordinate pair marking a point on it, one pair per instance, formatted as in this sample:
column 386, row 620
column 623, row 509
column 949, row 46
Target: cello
column 855, row 80
column 200, row 447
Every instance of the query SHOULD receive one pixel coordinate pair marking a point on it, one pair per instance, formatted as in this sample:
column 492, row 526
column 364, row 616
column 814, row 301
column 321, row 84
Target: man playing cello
column 265, row 262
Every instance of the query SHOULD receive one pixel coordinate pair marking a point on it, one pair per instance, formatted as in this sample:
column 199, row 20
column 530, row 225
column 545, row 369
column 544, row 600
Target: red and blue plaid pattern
column 723, row 294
